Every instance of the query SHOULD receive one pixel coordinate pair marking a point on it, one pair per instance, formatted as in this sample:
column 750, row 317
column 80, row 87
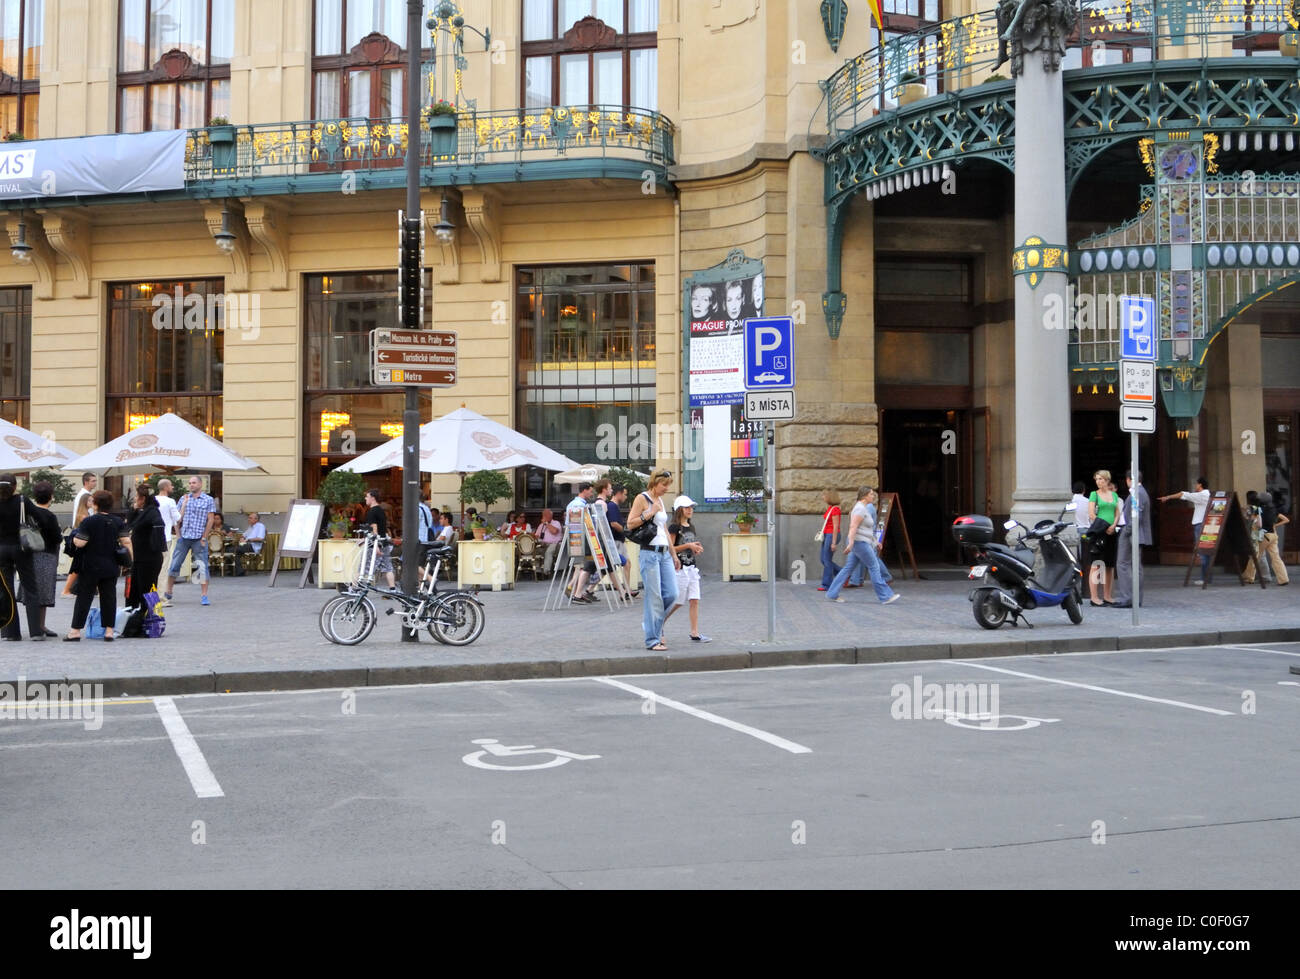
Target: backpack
column 154, row 623
column 426, row 523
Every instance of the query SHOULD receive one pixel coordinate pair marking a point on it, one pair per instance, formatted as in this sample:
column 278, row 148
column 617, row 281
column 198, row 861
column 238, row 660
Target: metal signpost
column 769, row 387
column 1139, row 344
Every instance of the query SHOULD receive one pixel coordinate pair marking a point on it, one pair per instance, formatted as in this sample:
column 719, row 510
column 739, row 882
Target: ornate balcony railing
column 957, row 53
column 510, row 142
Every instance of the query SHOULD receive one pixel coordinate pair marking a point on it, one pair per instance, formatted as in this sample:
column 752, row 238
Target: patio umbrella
column 168, row 442
column 589, row 473
column 463, row 441
column 22, row 451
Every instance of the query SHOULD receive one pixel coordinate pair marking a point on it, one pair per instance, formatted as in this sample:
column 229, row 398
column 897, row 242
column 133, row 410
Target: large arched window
column 173, row 69
column 359, row 59
column 590, row 52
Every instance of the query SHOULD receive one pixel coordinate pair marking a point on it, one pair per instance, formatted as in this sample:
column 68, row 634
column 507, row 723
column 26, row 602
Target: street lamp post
column 412, row 275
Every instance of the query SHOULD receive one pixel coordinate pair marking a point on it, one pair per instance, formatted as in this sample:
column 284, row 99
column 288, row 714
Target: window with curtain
column 16, row 355
column 173, row 63
column 22, row 24
column 610, row 59
column 359, row 59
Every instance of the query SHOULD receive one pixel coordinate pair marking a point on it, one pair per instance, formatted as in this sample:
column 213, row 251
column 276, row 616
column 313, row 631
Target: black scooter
column 1014, row 589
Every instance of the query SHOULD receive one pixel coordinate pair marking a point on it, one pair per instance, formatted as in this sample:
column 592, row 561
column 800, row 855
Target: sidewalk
column 256, row 638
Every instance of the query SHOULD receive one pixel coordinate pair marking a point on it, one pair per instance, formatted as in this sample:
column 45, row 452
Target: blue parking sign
column 769, row 353
column 1137, row 319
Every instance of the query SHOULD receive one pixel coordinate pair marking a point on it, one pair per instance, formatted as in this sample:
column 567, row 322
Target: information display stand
column 1225, row 528
column 301, row 531
column 890, row 506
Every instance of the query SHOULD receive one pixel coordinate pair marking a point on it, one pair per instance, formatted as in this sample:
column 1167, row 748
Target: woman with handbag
column 100, row 538
column 829, row 537
column 18, row 539
column 1103, row 511
column 148, row 545
column 647, row 527
column 44, row 562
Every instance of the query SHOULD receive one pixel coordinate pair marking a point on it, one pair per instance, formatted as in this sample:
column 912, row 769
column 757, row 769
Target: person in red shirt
column 520, row 526
column 830, row 537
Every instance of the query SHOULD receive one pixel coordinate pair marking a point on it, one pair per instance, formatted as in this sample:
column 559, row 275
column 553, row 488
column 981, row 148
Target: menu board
column 302, row 528
column 1225, row 526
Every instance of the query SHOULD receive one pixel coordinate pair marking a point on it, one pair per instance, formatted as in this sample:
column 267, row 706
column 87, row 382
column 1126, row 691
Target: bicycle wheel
column 348, row 619
column 457, row 621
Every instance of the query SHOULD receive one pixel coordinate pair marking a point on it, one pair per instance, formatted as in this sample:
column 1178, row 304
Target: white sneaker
column 892, row 598
column 841, row 599
column 1198, row 582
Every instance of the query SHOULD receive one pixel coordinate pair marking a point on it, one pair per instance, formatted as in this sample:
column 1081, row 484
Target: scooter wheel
column 989, row 610
column 1072, row 609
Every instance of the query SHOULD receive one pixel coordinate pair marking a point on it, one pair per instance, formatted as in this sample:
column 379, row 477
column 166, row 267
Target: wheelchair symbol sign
column 993, row 722
column 494, row 748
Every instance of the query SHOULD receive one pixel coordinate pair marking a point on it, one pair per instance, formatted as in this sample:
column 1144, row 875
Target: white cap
column 682, row 501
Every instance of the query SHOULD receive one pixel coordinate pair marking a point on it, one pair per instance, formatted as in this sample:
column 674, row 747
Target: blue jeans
column 199, row 548
column 829, row 568
column 1205, row 558
column 863, row 555
column 659, row 579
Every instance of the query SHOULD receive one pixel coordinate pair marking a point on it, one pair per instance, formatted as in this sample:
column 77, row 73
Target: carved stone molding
column 447, row 271
column 237, row 279
column 375, row 48
column 268, row 225
column 1030, row 26
column 721, row 14
column 589, row 33
column 70, row 237
column 43, row 260
column 483, row 215
column 173, row 65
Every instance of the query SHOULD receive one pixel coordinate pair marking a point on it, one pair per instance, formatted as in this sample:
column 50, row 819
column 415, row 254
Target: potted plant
column 747, row 491
column 340, row 526
column 911, row 88
column 486, row 487
column 64, row 490
column 221, row 136
column 442, row 129
column 478, row 527
column 341, row 489
column 619, row 475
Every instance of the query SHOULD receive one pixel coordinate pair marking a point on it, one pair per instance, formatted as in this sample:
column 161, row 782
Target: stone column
column 1035, row 33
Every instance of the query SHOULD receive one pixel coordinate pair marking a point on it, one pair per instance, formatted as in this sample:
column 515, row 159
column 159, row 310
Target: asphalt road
column 1140, row 769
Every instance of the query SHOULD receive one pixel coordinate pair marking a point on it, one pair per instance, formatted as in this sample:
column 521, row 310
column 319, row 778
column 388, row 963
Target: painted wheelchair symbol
column 993, row 722
column 493, row 747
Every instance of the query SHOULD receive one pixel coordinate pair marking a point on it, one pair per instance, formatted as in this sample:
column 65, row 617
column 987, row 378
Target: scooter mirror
column 1010, row 525
column 1071, row 507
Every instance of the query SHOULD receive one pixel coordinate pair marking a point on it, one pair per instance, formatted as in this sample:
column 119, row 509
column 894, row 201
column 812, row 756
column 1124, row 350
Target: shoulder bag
column 28, row 536
column 645, row 532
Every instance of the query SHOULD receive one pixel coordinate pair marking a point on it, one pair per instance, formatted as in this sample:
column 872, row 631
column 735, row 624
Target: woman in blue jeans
column 658, row 574
column 830, row 537
column 861, row 548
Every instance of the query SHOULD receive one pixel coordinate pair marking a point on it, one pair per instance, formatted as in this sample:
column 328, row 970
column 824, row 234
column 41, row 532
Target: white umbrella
column 23, row 451
column 463, row 441
column 589, row 473
column 167, row 442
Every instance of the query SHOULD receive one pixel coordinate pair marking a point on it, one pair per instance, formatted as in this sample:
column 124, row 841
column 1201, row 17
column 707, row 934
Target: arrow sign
column 1137, row 418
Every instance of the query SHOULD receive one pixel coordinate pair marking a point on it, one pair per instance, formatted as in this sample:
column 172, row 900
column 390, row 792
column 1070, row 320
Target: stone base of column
column 1032, row 505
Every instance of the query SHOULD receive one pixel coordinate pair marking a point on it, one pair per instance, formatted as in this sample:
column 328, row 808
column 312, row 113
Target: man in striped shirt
column 197, row 510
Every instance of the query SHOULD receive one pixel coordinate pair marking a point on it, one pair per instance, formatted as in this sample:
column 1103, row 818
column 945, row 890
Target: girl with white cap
column 685, row 546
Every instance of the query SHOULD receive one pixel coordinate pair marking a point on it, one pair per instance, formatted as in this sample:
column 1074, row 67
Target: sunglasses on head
column 663, row 474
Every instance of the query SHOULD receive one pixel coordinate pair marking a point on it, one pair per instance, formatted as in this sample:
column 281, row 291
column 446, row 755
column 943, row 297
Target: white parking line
column 1257, row 649
column 187, row 749
column 704, row 715
column 1089, row 686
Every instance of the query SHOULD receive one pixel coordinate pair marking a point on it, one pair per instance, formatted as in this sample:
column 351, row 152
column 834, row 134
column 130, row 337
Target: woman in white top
column 658, row 573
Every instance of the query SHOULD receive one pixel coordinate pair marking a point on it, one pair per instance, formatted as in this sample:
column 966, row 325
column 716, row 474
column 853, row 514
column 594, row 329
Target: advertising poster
column 716, row 312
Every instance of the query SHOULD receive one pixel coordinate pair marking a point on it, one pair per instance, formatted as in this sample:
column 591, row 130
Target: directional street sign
column 1137, row 382
column 768, row 405
column 769, row 353
column 1137, row 418
column 423, row 358
column 1137, row 328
